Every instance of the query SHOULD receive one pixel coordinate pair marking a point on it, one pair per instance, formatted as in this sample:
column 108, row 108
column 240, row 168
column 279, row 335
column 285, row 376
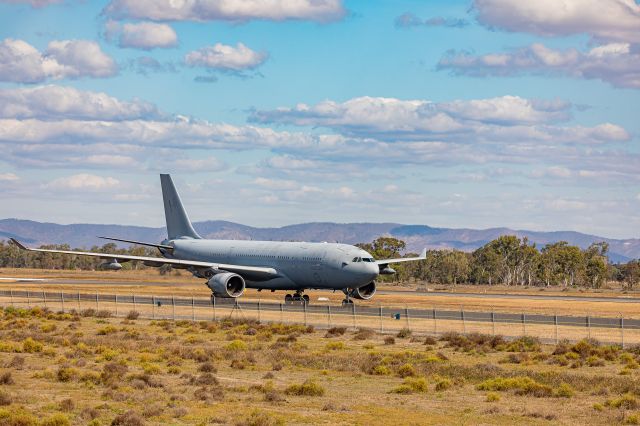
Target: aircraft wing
column 422, row 256
column 159, row 261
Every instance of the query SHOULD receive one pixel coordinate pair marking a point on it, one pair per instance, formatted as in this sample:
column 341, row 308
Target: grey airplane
column 231, row 266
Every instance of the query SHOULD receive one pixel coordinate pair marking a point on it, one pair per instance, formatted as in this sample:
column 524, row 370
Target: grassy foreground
column 89, row 368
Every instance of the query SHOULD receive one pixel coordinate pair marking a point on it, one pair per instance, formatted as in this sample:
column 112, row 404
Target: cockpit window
column 356, row 259
column 367, row 259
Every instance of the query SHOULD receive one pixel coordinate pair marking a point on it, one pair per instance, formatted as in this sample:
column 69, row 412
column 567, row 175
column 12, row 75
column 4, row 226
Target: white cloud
column 225, row 58
column 59, row 102
column 11, row 177
column 615, row 63
column 504, row 119
column 227, row 10
column 610, row 20
column 142, row 35
column 408, row 20
column 83, row 182
column 22, row 63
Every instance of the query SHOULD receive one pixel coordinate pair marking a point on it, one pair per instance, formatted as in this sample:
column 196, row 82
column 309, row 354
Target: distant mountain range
column 416, row 236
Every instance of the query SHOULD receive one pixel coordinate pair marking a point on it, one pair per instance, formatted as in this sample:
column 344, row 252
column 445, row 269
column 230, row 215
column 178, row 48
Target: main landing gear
column 346, row 302
column 297, row 298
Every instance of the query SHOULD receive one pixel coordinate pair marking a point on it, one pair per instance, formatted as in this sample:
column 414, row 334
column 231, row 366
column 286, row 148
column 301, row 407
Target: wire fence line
column 434, row 321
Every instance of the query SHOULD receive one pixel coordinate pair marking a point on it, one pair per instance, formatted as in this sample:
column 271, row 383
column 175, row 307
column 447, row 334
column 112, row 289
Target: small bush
column 30, row 346
column 443, row 384
column 66, row 374
column 389, row 340
column 260, row 418
column 133, row 315
column 632, row 419
column 6, row 378
column 237, row 345
column 57, row 419
column 381, row 370
column 493, row 397
column 207, row 367
column 598, row 407
column 5, row 398
column 406, row 370
column 130, row 418
column 363, row 334
column 334, row 346
column 404, row 333
column 109, row 329
column 564, row 391
column 335, row 331
column 67, row 405
column 430, row 340
column 308, row 388
column 16, row 362
column 522, row 385
column 412, row 385
column 626, row 401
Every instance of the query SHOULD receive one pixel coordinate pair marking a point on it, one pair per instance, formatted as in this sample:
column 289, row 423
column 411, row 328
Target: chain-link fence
column 434, row 321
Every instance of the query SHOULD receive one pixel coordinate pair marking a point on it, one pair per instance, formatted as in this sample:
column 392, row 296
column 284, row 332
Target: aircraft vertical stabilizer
column 178, row 224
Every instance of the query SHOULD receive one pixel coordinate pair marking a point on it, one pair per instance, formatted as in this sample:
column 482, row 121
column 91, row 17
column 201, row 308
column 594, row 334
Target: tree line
column 507, row 260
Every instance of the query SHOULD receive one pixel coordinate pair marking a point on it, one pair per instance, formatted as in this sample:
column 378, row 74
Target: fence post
column 406, row 314
column 329, row 315
column 44, row 298
column 380, row 314
column 116, row 304
column 524, row 327
column 622, row 331
column 79, row 308
column 97, row 303
column 281, row 314
column 588, row 326
column 173, row 306
column 153, row 307
column 134, row 301
column 435, row 322
column 193, row 309
column 493, row 322
column 62, row 301
column 213, row 305
column 28, row 300
column 555, row 322
column 258, row 310
column 304, row 308
column 464, row 324
column 11, row 295
column 353, row 314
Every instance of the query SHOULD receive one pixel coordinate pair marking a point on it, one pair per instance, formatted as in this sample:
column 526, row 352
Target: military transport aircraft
column 230, row 266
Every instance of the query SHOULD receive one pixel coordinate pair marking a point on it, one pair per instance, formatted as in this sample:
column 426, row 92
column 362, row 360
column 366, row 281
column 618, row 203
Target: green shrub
column 443, row 384
column 406, row 370
column 381, row 370
column 633, row 419
column 404, row 333
column 626, row 401
column 57, row 419
column 564, row 391
column 109, row 329
column 66, row 374
column 334, row 346
column 308, row 388
column 412, row 385
column 493, row 397
column 598, row 407
column 521, row 385
column 30, row 346
column 237, row 345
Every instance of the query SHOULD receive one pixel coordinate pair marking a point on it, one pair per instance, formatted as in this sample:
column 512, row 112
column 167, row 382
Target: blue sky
column 478, row 113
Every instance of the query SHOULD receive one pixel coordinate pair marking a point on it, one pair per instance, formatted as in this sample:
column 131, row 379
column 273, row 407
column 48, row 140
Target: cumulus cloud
column 59, row 102
column 83, row 182
column 226, row 58
column 22, row 63
column 615, row 63
column 408, row 20
column 507, row 118
column 142, row 35
column 610, row 20
column 227, row 10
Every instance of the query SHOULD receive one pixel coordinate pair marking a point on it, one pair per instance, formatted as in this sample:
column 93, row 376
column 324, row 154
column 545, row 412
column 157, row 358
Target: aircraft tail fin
column 178, row 224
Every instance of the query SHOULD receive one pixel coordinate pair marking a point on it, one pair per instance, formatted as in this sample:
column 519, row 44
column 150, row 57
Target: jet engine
column 226, row 284
column 111, row 265
column 365, row 292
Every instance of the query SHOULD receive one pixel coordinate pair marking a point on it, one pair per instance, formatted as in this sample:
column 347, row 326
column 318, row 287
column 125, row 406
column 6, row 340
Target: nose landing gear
column 297, row 298
column 346, row 302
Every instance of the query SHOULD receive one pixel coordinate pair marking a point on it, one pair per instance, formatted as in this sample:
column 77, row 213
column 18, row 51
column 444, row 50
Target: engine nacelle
column 111, row 265
column 365, row 292
column 226, row 284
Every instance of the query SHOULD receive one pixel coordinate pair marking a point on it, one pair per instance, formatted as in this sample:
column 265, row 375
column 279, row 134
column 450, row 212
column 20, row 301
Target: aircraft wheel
column 305, row 299
column 288, row 299
column 347, row 303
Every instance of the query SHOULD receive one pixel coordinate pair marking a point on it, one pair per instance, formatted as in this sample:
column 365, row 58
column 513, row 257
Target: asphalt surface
column 618, row 299
column 443, row 314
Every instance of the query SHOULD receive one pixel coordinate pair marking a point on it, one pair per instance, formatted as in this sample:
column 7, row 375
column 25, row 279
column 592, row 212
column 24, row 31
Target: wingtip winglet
column 18, row 243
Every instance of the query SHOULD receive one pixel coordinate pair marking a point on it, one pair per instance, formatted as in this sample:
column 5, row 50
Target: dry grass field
column 90, row 368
